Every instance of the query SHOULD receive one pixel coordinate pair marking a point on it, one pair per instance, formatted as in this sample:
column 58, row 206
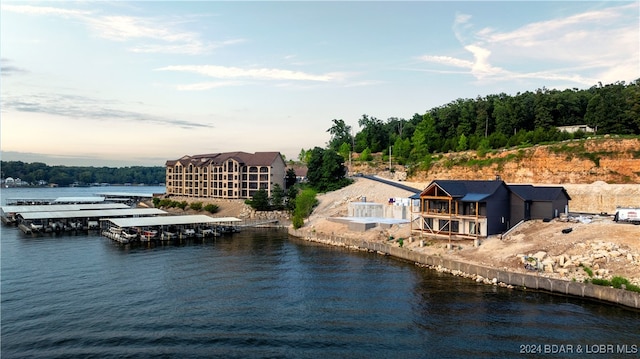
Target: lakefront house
column 228, row 175
column 471, row 209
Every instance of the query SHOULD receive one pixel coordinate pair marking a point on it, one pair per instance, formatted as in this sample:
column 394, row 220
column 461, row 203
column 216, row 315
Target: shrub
column 196, row 206
column 297, row 221
column 211, row 208
column 588, row 270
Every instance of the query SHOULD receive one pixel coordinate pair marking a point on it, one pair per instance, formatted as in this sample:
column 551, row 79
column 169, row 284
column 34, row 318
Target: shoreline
column 481, row 273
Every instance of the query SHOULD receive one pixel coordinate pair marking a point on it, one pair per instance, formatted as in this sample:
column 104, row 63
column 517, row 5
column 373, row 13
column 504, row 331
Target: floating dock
column 164, row 228
column 59, row 221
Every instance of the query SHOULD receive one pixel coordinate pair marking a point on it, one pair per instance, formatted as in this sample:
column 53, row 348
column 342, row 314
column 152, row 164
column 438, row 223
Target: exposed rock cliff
column 611, row 160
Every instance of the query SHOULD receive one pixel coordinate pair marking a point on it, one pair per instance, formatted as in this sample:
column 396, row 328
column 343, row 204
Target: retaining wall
column 521, row 280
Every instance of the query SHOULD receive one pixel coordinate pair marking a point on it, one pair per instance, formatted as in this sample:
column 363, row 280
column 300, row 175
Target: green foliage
column 211, row 208
column 305, row 202
column 290, row 178
column 297, row 221
column 290, row 200
column 463, row 143
column 196, row 206
column 366, row 155
column 326, row 170
column 578, row 150
column 588, row 270
column 182, row 205
column 260, row 200
column 340, row 136
column 345, row 150
column 498, row 121
column 67, row 175
column 617, row 282
column 277, row 197
column 156, row 201
column 373, row 134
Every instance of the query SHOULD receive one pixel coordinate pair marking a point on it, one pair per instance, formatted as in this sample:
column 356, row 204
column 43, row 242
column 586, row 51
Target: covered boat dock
column 165, row 228
column 57, row 221
column 10, row 213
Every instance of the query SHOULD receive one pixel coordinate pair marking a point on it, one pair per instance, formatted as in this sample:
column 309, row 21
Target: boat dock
column 58, row 221
column 126, row 230
column 129, row 198
column 9, row 213
column 112, row 214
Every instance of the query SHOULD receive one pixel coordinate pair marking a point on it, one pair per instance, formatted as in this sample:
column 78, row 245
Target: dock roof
column 61, row 207
column 93, row 199
column 125, row 194
column 169, row 220
column 93, row 213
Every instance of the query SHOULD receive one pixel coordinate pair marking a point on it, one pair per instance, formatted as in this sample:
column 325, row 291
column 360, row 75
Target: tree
column 366, row 155
column 596, row 112
column 290, row 179
column 304, row 204
column 260, row 200
column 326, row 170
column 462, row 143
column 277, row 197
column 372, row 135
column 345, row 151
column 340, row 135
column 303, row 156
column 423, row 138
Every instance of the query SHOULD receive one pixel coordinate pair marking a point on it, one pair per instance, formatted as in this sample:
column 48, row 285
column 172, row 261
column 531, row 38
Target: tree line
column 492, row 122
column 36, row 172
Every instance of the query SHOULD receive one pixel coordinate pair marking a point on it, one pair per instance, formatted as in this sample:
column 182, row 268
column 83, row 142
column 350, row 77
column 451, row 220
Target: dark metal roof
column 474, row 197
column 538, row 193
column 458, row 189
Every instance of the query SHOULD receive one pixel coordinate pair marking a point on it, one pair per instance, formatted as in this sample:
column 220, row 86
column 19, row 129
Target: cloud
column 8, row 70
column 202, row 86
column 250, row 73
column 43, row 10
column 595, row 45
column 82, row 107
column 165, row 34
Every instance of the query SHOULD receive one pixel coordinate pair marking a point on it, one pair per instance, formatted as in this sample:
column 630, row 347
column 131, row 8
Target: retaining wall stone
column 521, row 280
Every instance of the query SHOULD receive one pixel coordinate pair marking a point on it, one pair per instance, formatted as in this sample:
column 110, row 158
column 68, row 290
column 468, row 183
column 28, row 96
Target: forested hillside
column 493, row 122
column 36, row 172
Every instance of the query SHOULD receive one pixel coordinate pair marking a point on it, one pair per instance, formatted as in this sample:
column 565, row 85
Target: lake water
column 262, row 294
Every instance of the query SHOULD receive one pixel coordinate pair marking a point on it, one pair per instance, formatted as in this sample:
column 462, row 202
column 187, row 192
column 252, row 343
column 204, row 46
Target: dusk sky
column 98, row 83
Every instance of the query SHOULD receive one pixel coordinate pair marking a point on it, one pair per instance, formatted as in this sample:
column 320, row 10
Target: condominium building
column 229, row 175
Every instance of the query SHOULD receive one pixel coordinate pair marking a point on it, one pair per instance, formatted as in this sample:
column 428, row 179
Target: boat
column 36, row 226
column 129, row 234
column 148, row 234
column 167, row 235
column 207, row 232
column 189, row 232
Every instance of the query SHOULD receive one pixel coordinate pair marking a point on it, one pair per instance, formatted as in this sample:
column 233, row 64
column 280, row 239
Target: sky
column 100, row 83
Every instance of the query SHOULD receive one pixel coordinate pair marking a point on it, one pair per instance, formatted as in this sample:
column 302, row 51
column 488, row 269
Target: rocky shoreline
column 480, row 273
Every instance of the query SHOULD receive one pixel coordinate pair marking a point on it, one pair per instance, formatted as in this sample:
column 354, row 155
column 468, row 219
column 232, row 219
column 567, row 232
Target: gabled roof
column 538, row 193
column 467, row 190
column 244, row 158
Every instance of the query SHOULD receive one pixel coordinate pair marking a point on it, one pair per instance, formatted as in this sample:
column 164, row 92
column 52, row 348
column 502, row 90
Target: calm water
column 261, row 294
